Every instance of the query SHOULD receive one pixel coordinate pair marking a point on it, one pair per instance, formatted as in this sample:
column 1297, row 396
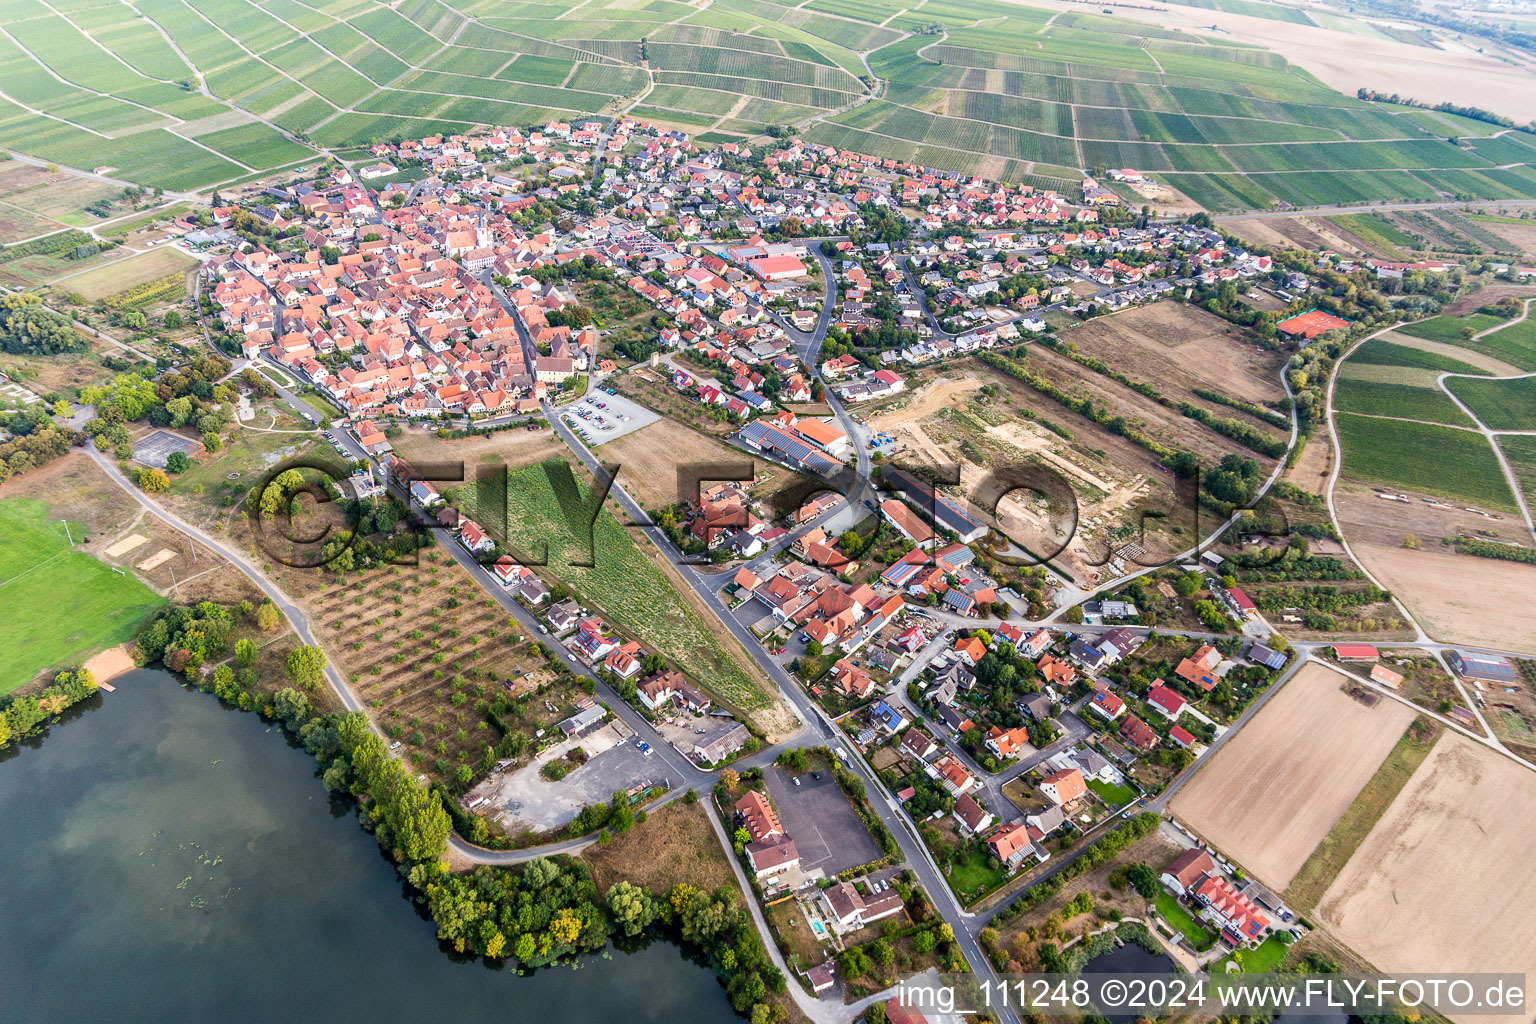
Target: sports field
column 60, row 605
column 1010, row 91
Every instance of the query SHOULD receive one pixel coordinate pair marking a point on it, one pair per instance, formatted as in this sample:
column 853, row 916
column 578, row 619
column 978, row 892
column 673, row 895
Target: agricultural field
column 1500, row 404
column 1273, row 793
column 1453, row 828
column 1011, row 91
column 1423, row 457
column 123, row 277
column 426, row 647
column 1457, row 598
column 1521, row 453
column 1395, row 349
column 40, row 573
column 623, row 583
column 1393, row 391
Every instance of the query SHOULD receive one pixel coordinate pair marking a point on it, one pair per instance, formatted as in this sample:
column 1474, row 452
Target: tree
column 27, row 327
column 290, row 706
column 212, row 442
column 306, row 667
column 180, row 410
column 854, row 962
column 1188, row 584
column 729, row 779
column 173, row 320
column 1411, row 542
column 632, row 906
column 268, row 617
column 526, row 947
column 154, row 481
column 245, row 654
column 177, row 463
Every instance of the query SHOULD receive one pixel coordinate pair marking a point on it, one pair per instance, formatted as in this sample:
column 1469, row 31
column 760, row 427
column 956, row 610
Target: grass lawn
column 1183, row 921
column 1325, row 863
column 972, row 874
column 323, row 406
column 40, row 575
column 1267, row 958
column 1115, row 796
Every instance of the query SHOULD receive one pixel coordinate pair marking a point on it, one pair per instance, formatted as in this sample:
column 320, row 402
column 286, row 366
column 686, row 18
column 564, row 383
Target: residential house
column 755, row 814
column 1107, row 705
column 772, row 856
column 1011, row 844
column 970, row 816
column 1169, row 702
column 1064, row 788
column 1187, row 869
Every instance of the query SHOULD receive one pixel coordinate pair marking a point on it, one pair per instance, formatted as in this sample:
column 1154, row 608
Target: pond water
column 168, row 858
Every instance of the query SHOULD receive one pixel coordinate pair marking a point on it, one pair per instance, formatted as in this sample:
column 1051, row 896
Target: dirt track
column 1443, row 882
column 1271, row 795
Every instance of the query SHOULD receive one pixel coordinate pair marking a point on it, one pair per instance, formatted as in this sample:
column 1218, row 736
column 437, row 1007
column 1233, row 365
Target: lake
column 167, row 857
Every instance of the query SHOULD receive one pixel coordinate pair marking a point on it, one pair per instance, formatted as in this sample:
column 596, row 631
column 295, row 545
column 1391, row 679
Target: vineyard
column 148, row 293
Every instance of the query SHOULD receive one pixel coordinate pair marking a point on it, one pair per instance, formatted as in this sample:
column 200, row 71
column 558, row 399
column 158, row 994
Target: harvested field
column 1443, row 882
column 1457, row 598
column 652, row 455
column 1273, row 793
column 123, row 274
column 1473, row 301
column 1180, row 347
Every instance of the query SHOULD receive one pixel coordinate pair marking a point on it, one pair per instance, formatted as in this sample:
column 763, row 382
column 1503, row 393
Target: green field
column 1235, row 127
column 1423, row 457
column 1383, row 352
column 1385, row 398
column 1500, row 404
column 61, row 606
column 1521, row 453
column 622, row 584
column 1115, row 796
column 1450, row 329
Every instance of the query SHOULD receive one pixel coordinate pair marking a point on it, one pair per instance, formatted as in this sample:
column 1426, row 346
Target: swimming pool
column 819, row 928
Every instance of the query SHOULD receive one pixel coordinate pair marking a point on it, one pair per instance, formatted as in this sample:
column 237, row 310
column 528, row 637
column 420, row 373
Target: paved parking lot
column 600, row 417
column 825, row 827
column 525, row 797
column 154, row 449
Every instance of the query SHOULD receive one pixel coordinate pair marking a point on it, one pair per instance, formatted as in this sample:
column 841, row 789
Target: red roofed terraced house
column 755, row 814
column 1241, row 921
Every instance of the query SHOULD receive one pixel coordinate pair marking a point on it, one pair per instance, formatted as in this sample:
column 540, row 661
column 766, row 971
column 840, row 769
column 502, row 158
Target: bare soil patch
column 652, row 455
column 1485, row 296
column 1457, row 598
column 514, row 448
column 1179, row 347
column 1272, row 794
column 1453, row 834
